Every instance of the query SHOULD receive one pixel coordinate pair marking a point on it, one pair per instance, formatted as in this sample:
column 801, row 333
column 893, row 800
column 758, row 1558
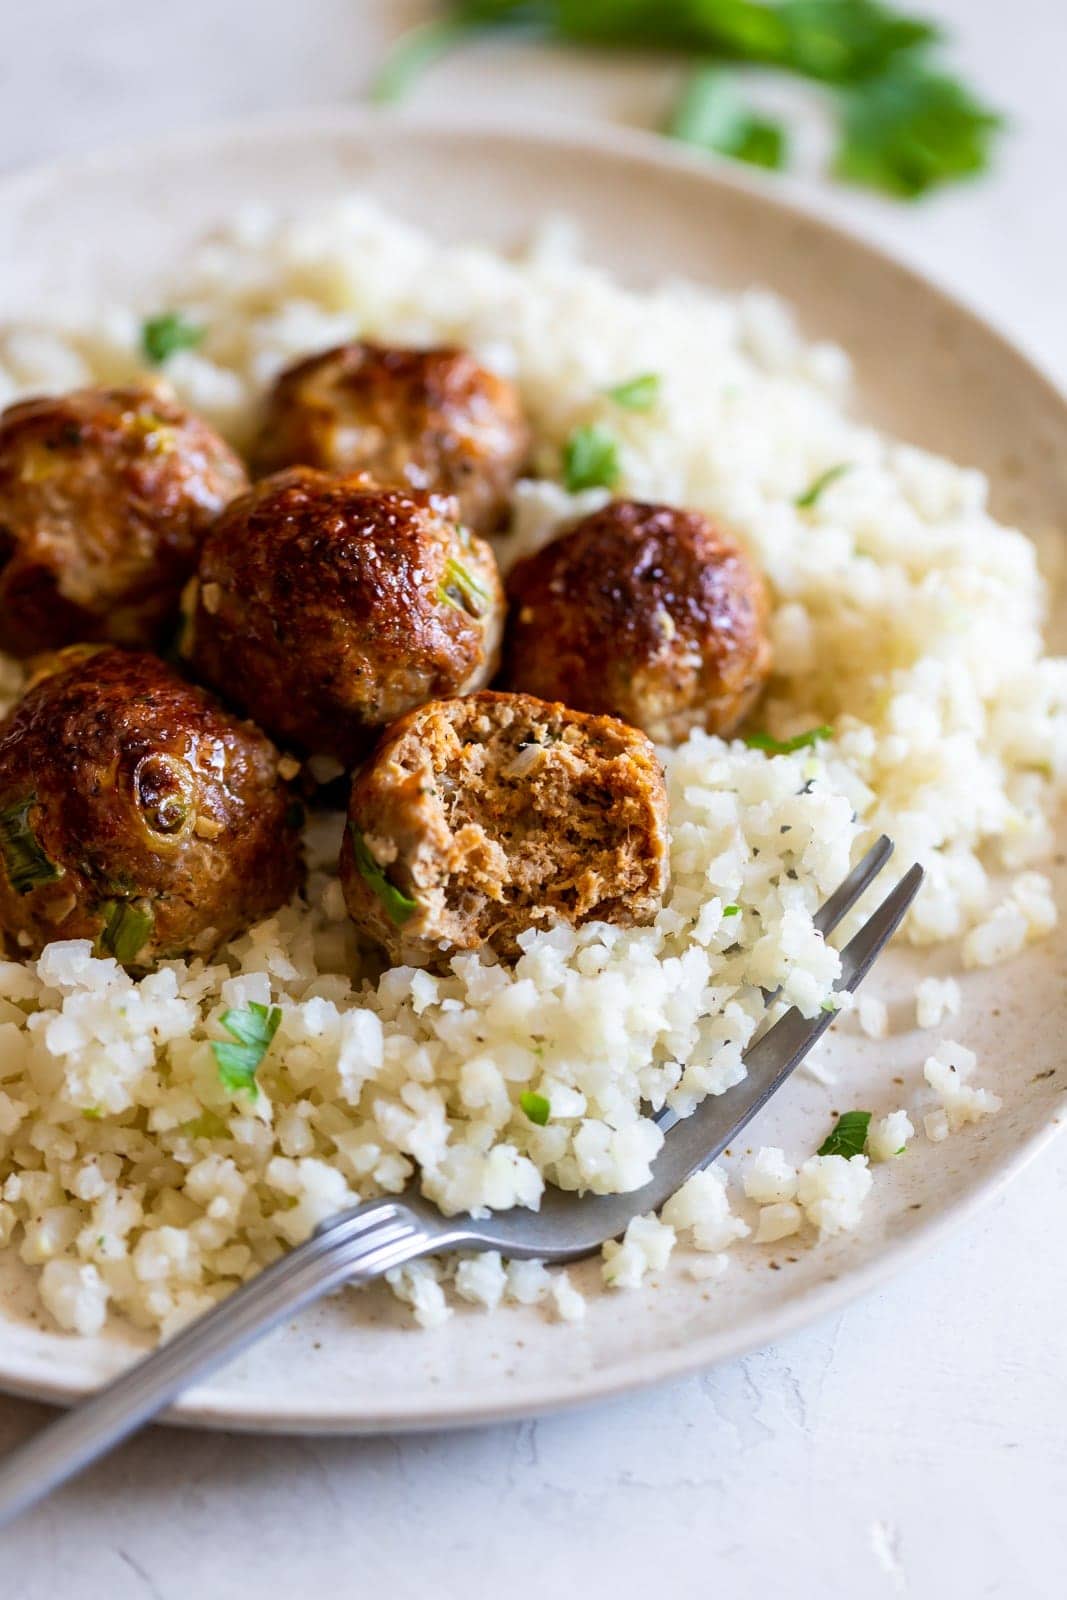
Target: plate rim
column 207, row 1405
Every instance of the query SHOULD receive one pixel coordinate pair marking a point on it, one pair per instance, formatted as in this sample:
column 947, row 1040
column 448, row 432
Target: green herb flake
column 399, row 906
column 126, row 930
column 536, row 1107
column 818, row 486
column 637, row 394
column 162, row 335
column 848, row 1136
column 461, row 589
column 253, row 1030
column 208, row 1125
column 731, row 911
column 590, row 460
column 27, row 865
column 912, row 129
column 786, row 747
column 712, row 115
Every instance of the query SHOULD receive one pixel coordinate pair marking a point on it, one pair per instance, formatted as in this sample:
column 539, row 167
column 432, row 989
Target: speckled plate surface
column 929, row 371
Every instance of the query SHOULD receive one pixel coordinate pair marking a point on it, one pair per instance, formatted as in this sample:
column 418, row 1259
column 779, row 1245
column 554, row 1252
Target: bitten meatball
column 478, row 818
column 646, row 612
column 414, row 419
column 326, row 608
column 104, row 498
column 136, row 812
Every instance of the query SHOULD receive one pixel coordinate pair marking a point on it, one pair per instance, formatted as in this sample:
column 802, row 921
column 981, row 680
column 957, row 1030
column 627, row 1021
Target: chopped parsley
column 818, row 486
column 786, row 747
column 590, row 460
column 124, row 933
column 461, row 589
column 167, row 332
column 848, row 1136
column 536, row 1107
column 731, row 911
column 253, row 1030
column 27, row 864
column 398, row 906
column 712, row 115
column 637, row 394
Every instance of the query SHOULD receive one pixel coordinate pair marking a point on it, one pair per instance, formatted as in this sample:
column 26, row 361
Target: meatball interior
column 327, row 607
column 415, row 419
column 105, row 495
column 138, row 813
column 646, row 612
column 478, row 818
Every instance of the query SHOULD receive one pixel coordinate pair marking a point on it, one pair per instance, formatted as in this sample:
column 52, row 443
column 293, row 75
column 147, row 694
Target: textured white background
column 914, row 1445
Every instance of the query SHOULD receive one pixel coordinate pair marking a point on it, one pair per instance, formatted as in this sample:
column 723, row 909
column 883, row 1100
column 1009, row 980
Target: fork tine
column 851, row 888
column 826, row 919
column 769, row 1062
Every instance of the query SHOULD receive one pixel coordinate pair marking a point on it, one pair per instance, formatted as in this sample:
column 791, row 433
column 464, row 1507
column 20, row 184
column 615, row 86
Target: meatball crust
column 476, row 819
column 414, row 419
column 138, row 813
column 646, row 612
column 105, row 495
column 326, row 607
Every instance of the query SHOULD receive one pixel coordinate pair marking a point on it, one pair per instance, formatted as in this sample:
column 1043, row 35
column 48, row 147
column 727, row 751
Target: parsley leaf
column 536, row 1107
column 912, row 129
column 818, row 486
column 849, row 1135
column 398, row 906
column 637, row 394
column 253, row 1029
column 731, row 911
column 590, row 460
column 162, row 335
column 712, row 114
column 786, row 747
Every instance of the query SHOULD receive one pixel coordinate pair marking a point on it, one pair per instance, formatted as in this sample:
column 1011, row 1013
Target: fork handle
column 358, row 1245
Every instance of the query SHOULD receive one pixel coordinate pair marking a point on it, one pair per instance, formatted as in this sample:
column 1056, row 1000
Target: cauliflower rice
column 904, row 616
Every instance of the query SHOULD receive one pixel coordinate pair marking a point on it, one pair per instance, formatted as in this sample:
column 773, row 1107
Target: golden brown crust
column 646, row 612
column 416, row 419
column 130, row 800
column 326, row 608
column 478, row 818
column 105, row 495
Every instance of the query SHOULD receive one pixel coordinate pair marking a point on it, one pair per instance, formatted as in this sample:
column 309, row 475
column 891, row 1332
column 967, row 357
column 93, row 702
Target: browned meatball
column 416, row 419
column 104, row 497
column 136, row 812
column 327, row 607
column 476, row 819
column 646, row 612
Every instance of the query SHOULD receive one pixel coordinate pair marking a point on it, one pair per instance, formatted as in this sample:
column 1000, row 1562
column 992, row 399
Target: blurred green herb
column 590, row 460
column 813, row 493
column 253, row 1029
column 786, row 747
column 172, row 330
column 636, row 394
column 713, row 115
column 904, row 127
column 848, row 1135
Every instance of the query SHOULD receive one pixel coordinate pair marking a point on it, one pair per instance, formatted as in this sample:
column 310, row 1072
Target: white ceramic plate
column 930, row 372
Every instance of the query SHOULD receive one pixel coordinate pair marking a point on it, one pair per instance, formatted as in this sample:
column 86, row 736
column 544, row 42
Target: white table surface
column 913, row 1445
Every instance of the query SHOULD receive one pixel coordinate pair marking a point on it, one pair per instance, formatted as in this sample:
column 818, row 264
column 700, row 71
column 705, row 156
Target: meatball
column 643, row 611
column 478, row 818
column 415, row 419
column 326, row 608
column 136, row 812
column 104, row 498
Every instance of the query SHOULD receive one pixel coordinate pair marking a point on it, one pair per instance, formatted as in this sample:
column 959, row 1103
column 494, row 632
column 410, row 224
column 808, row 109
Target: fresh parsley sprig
column 848, row 1136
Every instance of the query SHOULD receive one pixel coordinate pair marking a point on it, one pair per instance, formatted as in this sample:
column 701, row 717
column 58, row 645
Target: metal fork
column 366, row 1241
